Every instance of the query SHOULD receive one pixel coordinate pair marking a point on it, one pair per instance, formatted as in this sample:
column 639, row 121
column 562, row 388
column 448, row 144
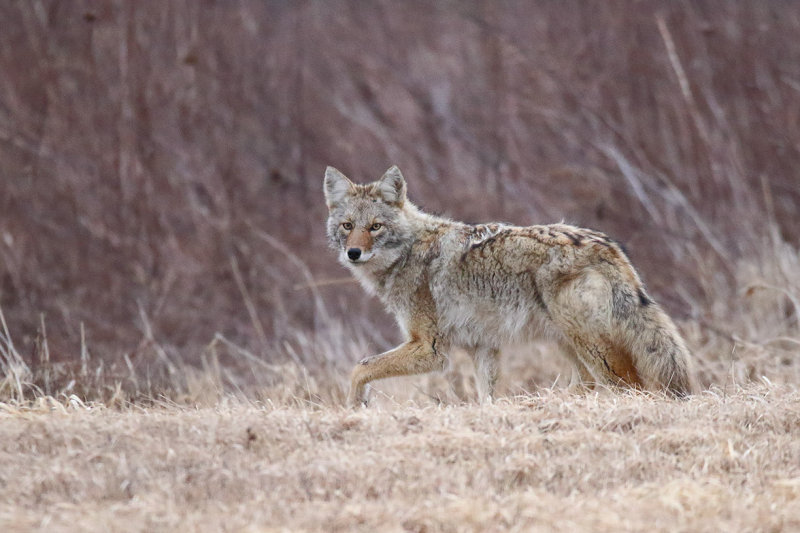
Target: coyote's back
column 482, row 286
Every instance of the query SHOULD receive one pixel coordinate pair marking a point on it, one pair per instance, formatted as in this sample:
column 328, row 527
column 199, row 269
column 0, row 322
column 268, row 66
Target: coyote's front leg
column 486, row 371
column 413, row 357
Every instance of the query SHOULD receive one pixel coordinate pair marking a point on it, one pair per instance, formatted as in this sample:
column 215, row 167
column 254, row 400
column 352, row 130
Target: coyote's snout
column 483, row 286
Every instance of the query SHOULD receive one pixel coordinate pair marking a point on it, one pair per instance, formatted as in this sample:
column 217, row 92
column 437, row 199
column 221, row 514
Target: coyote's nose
column 354, row 253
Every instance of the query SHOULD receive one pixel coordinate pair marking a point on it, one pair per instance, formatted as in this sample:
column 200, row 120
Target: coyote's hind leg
column 610, row 364
column 581, row 309
column 581, row 379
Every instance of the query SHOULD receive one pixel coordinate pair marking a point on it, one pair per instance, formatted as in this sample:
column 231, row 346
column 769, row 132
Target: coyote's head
column 367, row 224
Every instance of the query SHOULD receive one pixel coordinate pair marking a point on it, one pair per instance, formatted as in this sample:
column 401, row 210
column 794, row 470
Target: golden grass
column 551, row 461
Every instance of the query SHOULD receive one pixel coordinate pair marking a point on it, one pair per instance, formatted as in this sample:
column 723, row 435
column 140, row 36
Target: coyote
column 482, row 286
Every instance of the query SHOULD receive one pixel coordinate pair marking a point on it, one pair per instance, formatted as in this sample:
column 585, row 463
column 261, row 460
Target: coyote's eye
column 376, row 226
column 347, row 225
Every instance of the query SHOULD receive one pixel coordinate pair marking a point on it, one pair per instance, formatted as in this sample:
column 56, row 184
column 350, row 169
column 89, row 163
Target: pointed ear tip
column 394, row 170
column 334, row 174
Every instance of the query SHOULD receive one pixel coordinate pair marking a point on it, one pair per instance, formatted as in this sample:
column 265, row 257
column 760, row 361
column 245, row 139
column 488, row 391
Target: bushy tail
column 661, row 357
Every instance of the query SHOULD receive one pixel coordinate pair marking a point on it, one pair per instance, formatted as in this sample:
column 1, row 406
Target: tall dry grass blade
column 248, row 303
column 301, row 265
column 683, row 79
column 324, row 283
column 697, row 218
column 45, row 362
column 84, row 353
column 14, row 368
column 632, row 176
column 161, row 353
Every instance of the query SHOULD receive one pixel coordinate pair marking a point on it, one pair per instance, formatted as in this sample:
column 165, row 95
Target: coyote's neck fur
column 484, row 286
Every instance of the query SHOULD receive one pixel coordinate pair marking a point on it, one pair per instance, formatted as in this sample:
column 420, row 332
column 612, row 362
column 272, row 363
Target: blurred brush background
column 161, row 163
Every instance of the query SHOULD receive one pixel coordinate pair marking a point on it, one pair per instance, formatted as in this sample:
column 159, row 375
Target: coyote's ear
column 392, row 187
column 337, row 187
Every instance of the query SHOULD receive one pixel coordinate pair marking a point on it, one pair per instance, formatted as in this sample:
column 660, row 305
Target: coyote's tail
column 660, row 354
column 656, row 348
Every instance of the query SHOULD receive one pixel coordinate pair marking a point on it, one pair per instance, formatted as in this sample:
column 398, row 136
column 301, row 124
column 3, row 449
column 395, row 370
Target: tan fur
column 359, row 238
column 483, row 286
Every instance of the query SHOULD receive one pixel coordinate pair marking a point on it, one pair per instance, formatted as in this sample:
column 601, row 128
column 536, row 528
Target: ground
column 721, row 460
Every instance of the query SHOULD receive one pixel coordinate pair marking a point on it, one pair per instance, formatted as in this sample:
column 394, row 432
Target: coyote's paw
column 358, row 397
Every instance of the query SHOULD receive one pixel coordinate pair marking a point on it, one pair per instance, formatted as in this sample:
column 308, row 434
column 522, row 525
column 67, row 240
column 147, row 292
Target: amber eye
column 347, row 225
column 376, row 226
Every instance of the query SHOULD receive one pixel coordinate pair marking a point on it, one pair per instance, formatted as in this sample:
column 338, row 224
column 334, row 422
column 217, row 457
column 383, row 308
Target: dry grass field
column 720, row 461
column 175, row 338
